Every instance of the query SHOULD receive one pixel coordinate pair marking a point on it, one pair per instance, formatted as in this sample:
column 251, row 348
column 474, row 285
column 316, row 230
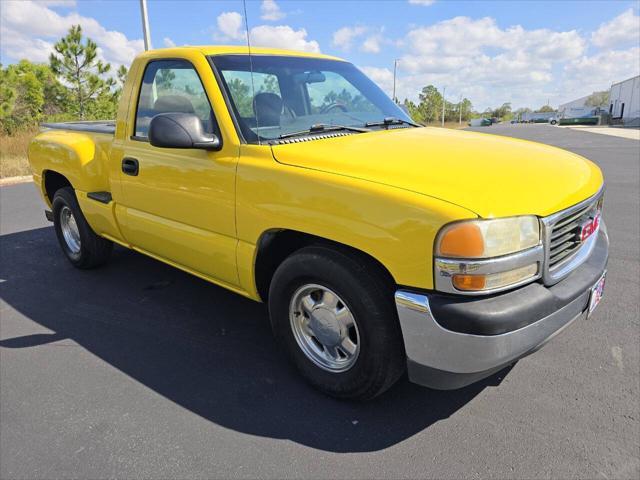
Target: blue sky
column 526, row 53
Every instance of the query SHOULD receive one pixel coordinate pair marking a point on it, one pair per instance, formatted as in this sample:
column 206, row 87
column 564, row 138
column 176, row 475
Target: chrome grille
column 562, row 232
column 565, row 235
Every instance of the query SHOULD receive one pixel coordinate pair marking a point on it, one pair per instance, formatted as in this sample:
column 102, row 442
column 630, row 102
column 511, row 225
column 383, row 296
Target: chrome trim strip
column 567, row 211
column 445, row 268
column 412, row 301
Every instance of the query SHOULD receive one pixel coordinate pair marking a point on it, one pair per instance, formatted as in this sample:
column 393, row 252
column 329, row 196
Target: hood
column 491, row 175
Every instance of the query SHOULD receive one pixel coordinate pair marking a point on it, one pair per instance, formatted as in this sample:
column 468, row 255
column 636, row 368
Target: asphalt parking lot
column 140, row 370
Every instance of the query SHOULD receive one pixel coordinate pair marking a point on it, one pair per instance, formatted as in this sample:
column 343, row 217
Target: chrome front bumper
column 445, row 359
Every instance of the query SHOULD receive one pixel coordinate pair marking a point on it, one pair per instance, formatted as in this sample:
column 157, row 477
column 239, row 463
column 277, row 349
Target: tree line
column 429, row 108
column 430, row 102
column 75, row 84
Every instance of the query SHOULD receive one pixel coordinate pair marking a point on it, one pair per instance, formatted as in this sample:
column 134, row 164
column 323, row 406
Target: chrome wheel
column 324, row 327
column 69, row 229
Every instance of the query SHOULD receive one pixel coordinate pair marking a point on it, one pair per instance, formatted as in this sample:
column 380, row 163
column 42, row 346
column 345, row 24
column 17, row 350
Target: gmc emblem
column 590, row 227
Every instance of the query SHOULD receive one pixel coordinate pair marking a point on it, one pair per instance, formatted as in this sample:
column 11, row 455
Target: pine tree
column 121, row 73
column 76, row 63
column 7, row 92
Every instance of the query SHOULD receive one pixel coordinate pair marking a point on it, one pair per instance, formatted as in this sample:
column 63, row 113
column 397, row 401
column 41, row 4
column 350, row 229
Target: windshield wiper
column 390, row 121
column 323, row 127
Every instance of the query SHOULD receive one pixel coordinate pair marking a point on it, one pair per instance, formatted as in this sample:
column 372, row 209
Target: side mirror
column 181, row 130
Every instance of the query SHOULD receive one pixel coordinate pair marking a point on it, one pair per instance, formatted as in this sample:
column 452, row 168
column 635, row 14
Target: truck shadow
column 208, row 350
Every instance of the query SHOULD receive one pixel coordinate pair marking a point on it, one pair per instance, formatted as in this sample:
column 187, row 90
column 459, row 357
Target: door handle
column 130, row 166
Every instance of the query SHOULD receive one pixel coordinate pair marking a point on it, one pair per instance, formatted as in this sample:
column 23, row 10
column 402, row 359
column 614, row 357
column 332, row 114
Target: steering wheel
column 332, row 106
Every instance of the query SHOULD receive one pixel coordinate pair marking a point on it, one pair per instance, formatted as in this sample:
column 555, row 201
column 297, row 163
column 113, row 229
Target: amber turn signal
column 476, row 283
column 469, row 282
column 462, row 240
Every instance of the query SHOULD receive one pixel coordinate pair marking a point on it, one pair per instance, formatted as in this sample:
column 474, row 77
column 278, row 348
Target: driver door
column 179, row 204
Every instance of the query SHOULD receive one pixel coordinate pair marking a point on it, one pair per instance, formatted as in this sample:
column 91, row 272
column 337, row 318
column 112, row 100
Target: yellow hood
column 491, row 175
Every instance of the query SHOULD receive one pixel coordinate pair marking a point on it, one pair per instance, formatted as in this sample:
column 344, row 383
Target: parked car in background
column 480, row 122
column 378, row 245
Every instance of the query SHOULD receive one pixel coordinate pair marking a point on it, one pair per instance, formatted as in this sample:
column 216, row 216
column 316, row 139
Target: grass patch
column 13, row 153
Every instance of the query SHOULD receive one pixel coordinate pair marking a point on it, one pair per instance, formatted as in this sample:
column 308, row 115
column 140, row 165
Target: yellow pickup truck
column 380, row 246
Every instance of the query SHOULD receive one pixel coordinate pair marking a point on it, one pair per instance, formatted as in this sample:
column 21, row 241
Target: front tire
column 80, row 244
column 333, row 313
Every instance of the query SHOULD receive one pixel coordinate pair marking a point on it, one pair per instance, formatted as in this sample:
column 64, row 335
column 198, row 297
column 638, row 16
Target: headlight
column 485, row 256
column 488, row 238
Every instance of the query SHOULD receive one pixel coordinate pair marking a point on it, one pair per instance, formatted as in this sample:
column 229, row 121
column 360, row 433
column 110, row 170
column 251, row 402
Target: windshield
column 292, row 94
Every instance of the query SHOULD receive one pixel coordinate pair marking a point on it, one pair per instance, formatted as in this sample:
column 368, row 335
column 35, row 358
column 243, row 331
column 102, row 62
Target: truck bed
column 97, row 126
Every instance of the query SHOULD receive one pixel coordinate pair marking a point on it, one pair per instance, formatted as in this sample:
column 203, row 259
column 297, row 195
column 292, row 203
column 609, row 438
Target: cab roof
column 235, row 50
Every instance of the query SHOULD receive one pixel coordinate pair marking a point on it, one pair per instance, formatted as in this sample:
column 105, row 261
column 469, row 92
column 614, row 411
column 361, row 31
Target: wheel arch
column 52, row 181
column 275, row 245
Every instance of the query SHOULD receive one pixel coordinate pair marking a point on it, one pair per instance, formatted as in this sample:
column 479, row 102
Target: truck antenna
column 145, row 25
column 253, row 87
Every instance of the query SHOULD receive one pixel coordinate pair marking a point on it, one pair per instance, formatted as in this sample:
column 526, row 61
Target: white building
column 577, row 108
column 624, row 102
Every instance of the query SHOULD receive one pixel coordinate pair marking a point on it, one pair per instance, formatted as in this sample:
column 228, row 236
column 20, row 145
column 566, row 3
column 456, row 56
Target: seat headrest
column 267, row 107
column 173, row 103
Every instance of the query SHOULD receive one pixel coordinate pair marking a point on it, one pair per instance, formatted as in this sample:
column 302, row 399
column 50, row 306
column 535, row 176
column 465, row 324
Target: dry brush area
column 13, row 153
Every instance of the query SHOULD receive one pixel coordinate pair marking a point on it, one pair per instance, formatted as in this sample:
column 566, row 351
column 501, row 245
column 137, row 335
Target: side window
column 240, row 88
column 335, row 90
column 172, row 86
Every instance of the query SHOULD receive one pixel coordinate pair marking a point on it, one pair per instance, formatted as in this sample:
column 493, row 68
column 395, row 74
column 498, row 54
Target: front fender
column 394, row 226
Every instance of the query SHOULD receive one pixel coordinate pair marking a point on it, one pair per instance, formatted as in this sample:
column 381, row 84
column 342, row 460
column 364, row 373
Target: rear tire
column 352, row 287
column 80, row 244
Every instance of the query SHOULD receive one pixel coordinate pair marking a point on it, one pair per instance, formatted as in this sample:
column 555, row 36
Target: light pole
column 460, row 111
column 145, row 25
column 395, row 69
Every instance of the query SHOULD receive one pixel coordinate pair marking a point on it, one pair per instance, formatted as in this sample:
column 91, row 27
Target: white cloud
column 58, row 3
column 464, row 36
column 491, row 64
column 485, row 62
column 343, row 38
column 168, row 42
column 24, row 37
column 372, row 44
column 283, row 36
column 622, row 30
column 20, row 46
column 231, row 25
column 382, row 76
column 424, row 3
column 270, row 11
column 599, row 71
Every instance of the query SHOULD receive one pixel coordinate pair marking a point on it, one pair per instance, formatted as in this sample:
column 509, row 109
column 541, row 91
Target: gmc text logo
column 590, row 227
